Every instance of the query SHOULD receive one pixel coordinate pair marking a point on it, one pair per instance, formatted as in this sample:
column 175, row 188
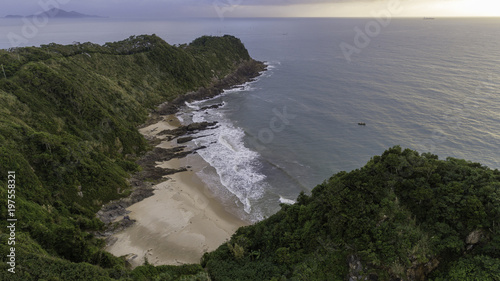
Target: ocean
column 428, row 85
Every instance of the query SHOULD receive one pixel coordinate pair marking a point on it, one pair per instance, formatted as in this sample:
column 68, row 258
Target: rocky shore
column 246, row 72
column 115, row 213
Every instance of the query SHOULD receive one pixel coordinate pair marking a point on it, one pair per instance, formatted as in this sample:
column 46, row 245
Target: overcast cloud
column 234, row 8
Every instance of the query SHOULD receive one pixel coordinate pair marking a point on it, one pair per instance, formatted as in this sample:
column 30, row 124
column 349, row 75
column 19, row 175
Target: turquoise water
column 433, row 86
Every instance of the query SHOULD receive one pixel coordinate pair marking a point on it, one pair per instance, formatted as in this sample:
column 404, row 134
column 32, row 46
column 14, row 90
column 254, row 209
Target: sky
column 259, row 8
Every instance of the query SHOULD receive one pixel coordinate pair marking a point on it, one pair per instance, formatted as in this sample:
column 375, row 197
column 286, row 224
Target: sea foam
column 286, row 201
column 237, row 168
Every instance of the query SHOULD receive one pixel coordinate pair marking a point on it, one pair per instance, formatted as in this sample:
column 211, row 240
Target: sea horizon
column 337, row 90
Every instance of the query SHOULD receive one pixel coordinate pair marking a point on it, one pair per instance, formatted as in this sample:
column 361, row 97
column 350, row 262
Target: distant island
column 58, row 13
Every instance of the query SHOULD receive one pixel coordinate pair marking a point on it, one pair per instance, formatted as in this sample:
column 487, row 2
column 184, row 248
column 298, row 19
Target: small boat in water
column 362, row 123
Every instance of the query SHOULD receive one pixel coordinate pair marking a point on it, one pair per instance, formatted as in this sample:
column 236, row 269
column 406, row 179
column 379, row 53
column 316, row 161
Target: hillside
column 403, row 216
column 69, row 143
column 68, row 133
column 57, row 13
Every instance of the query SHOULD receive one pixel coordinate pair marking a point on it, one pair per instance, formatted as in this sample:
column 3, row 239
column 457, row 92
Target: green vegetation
column 68, row 128
column 68, row 119
column 402, row 215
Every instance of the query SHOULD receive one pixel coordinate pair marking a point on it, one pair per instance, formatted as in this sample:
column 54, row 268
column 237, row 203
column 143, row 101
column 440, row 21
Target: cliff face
column 403, row 216
column 68, row 119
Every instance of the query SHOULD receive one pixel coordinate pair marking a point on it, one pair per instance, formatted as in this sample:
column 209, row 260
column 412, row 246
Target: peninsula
column 92, row 169
column 69, row 129
column 58, row 13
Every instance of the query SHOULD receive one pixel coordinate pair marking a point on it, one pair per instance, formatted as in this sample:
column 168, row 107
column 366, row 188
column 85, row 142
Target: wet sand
column 180, row 222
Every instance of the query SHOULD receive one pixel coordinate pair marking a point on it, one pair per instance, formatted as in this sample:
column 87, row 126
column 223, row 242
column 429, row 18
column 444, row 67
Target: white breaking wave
column 236, row 165
column 286, row 201
column 192, row 106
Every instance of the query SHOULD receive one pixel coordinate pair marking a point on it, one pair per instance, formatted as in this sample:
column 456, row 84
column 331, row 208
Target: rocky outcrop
column 142, row 182
column 474, row 237
column 416, row 272
column 357, row 272
column 245, row 72
column 187, row 130
column 212, row 106
column 420, row 271
column 355, row 268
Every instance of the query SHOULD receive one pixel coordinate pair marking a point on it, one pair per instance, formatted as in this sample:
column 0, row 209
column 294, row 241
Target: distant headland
column 58, row 13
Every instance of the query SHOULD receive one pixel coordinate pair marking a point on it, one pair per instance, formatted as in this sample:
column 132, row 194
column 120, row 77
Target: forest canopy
column 403, row 216
column 68, row 129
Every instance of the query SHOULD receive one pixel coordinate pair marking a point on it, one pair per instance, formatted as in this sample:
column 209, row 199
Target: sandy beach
column 180, row 222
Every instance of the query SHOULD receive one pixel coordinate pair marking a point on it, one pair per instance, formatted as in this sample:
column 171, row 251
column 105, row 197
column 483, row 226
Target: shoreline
column 180, row 221
column 142, row 182
column 171, row 217
column 178, row 224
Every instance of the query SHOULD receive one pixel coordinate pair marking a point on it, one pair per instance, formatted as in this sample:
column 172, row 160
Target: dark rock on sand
column 246, row 71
